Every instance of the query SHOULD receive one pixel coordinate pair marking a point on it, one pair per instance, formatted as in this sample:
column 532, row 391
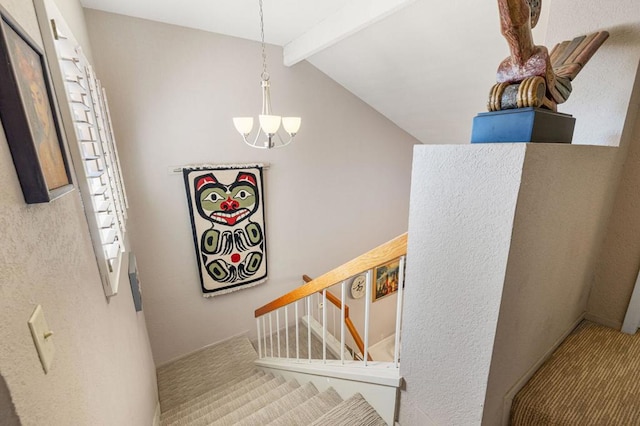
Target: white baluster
column 278, row 330
column 324, row 326
column 264, row 334
column 367, row 307
column 271, row 334
column 309, row 327
column 396, row 350
column 342, row 320
column 259, row 343
column 286, row 327
column 297, row 319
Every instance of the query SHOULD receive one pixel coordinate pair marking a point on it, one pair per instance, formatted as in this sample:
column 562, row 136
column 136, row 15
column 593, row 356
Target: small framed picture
column 29, row 116
column 386, row 279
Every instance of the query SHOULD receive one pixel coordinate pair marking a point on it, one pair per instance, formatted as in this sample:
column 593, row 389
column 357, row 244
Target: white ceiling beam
column 353, row 17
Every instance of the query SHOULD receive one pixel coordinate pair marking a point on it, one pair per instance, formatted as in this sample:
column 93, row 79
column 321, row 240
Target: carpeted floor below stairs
column 593, row 378
column 220, row 385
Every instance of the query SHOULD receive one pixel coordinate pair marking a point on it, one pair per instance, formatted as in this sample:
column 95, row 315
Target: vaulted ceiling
column 425, row 65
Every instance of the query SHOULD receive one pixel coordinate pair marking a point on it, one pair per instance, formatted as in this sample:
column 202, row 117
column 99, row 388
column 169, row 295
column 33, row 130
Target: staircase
column 220, row 385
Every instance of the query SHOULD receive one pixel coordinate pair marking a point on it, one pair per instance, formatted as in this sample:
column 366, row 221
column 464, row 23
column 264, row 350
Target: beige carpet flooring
column 593, row 378
column 221, row 386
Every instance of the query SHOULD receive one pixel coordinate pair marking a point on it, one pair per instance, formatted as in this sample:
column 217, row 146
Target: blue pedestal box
column 522, row 125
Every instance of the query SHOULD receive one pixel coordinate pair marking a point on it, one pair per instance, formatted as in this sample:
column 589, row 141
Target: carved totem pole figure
column 531, row 77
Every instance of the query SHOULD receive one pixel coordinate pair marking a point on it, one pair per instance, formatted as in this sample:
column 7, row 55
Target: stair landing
column 593, row 378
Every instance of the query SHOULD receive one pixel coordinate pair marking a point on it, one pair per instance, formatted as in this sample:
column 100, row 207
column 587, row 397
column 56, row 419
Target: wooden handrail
column 384, row 253
column 347, row 321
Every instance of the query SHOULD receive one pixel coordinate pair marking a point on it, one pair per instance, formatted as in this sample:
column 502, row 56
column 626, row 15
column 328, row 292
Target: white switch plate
column 42, row 337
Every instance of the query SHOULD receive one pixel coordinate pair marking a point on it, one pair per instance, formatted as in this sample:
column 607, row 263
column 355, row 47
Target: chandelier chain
column 265, row 74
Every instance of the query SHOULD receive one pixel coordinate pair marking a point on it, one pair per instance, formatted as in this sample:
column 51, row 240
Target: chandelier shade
column 244, row 125
column 291, row 124
column 269, row 123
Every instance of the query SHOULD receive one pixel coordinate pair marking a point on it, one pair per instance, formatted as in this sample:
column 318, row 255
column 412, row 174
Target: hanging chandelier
column 269, row 123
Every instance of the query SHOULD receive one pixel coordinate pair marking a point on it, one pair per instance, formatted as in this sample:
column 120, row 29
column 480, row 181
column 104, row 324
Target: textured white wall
column 553, row 249
column 619, row 260
column 340, row 189
column 463, row 202
column 605, row 102
column 103, row 371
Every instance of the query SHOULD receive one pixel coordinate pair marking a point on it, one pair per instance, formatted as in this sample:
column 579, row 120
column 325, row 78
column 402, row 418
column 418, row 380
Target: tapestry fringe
column 231, row 290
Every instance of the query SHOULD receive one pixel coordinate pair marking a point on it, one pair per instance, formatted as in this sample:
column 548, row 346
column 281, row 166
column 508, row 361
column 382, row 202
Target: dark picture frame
column 386, row 279
column 30, row 118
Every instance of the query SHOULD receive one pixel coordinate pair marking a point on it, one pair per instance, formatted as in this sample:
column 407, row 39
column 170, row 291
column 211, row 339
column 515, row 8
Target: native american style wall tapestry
column 227, row 217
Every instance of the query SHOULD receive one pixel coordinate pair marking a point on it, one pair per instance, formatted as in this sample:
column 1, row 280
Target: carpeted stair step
column 254, row 405
column 220, row 386
column 208, row 413
column 216, row 397
column 353, row 411
column 281, row 406
column 309, row 411
column 215, row 366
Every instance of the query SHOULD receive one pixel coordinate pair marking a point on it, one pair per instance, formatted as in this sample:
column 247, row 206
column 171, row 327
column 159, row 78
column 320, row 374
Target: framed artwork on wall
column 386, row 279
column 29, row 115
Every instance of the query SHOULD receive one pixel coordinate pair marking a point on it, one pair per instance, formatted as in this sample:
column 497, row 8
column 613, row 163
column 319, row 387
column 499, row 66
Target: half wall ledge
column 502, row 240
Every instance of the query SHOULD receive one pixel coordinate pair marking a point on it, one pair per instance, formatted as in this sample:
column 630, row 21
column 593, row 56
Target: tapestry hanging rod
column 174, row 170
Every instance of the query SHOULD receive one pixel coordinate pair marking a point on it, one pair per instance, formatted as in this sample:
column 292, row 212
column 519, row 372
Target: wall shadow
column 8, row 416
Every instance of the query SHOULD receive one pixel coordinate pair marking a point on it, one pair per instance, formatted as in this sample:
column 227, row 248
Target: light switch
column 42, row 337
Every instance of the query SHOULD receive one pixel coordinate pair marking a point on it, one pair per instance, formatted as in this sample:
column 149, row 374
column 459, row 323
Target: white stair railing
column 319, row 308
